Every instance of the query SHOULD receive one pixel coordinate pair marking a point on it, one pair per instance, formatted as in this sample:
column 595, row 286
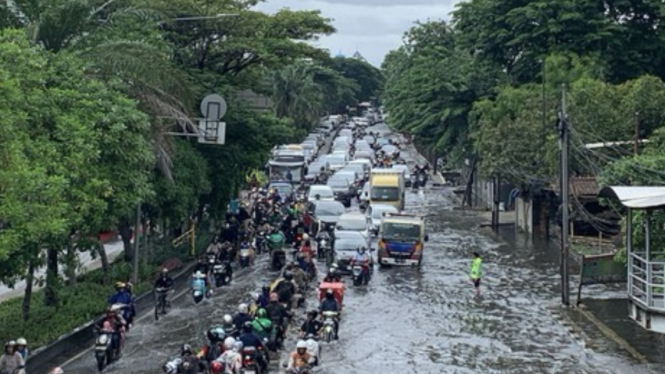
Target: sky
column 371, row 27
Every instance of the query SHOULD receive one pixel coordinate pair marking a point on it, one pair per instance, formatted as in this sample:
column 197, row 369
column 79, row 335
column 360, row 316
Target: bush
column 82, row 303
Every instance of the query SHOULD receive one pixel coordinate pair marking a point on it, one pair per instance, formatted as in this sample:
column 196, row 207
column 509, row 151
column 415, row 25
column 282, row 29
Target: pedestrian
column 476, row 272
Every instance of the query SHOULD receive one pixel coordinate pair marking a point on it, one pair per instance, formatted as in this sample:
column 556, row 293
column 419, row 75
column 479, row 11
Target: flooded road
column 416, row 321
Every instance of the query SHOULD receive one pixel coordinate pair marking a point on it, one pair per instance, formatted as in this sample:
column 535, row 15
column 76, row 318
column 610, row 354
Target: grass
column 81, row 303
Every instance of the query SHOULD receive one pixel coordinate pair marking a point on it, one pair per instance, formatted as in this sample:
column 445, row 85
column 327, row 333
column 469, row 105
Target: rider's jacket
column 250, row 339
column 311, row 327
column 277, row 312
column 232, row 359
column 240, row 319
column 164, row 282
column 297, row 360
column 262, row 326
column 361, row 257
column 332, row 278
column 120, row 297
column 329, row 305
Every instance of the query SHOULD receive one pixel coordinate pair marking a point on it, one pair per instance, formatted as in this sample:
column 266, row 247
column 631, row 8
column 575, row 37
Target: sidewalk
column 87, row 263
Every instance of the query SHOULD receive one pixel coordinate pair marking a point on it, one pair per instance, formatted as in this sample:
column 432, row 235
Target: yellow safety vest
column 475, row 268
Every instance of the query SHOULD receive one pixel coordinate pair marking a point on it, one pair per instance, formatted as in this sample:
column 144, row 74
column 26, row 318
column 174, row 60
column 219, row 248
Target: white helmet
column 305, row 236
column 229, row 343
column 227, row 319
column 21, row 341
column 198, row 274
column 242, row 308
column 238, row 347
column 57, row 371
column 301, row 344
column 256, row 296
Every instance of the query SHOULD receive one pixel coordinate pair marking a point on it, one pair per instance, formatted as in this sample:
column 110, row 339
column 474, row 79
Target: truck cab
column 387, row 187
column 401, row 239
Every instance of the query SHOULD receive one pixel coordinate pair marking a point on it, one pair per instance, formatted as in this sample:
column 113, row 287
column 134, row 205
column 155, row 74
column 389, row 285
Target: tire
column 157, row 307
column 329, row 337
column 356, row 281
column 101, row 361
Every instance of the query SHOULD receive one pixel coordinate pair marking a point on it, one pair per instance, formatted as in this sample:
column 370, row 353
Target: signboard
column 601, row 269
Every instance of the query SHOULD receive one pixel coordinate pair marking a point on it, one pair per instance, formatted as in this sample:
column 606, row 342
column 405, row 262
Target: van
column 387, row 187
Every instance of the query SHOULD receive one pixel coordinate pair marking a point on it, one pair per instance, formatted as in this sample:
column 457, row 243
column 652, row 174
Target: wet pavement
column 418, row 321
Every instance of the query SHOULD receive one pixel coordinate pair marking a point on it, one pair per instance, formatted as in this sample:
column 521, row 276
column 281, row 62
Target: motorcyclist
column 245, row 244
column 300, row 358
column 203, row 267
column 229, row 233
column 329, row 304
column 113, row 319
column 311, row 326
column 22, row 347
column 278, row 315
column 190, row 361
column 241, row 317
column 231, row 358
column 262, row 325
column 362, row 257
column 228, row 325
column 249, row 339
column 285, row 288
column 11, row 361
column 122, row 296
column 264, row 297
column 212, row 350
column 306, row 247
column 332, row 276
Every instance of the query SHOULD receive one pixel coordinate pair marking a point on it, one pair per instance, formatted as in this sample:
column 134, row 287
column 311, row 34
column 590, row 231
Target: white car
column 336, row 162
column 324, row 192
column 353, row 222
column 375, row 214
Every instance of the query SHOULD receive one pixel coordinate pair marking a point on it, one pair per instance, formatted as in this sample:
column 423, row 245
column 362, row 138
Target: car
column 353, row 222
column 325, row 214
column 314, row 169
column 284, row 188
column 346, row 133
column 345, row 246
column 356, row 168
column 336, row 162
column 363, row 155
column 405, row 170
column 343, row 189
column 324, row 192
column 364, row 197
column 341, row 152
column 382, row 141
column 375, row 213
column 369, row 139
column 389, row 149
column 366, row 165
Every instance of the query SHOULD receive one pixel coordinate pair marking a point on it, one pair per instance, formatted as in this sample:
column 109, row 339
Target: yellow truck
column 387, row 187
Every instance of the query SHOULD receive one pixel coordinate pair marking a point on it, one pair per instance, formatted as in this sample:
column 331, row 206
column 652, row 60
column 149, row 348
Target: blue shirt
column 120, row 297
column 250, row 339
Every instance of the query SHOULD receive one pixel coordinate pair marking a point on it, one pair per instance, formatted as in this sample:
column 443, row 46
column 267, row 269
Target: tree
column 368, row 78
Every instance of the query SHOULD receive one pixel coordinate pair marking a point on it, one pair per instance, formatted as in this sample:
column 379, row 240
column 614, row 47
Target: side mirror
column 426, row 238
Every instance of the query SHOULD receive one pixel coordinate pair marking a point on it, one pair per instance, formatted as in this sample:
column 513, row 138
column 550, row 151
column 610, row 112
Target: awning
column 637, row 197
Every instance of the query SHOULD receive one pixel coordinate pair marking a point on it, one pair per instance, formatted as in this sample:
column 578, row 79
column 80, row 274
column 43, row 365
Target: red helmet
column 216, row 367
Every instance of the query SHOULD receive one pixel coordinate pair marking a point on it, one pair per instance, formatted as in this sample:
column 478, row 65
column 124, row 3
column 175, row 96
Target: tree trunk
column 52, row 280
column 101, row 251
column 70, row 270
column 27, row 297
column 126, row 233
column 144, row 228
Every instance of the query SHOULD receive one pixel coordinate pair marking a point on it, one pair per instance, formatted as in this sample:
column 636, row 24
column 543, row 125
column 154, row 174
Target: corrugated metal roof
column 580, row 186
column 638, row 197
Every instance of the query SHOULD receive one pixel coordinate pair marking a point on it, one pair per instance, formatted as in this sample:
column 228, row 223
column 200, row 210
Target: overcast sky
column 373, row 27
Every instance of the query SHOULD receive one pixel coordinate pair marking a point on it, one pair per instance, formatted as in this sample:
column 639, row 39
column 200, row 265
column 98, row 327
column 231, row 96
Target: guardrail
column 69, row 345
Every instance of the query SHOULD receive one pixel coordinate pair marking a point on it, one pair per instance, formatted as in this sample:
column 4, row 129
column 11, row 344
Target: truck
column 401, row 239
column 387, row 187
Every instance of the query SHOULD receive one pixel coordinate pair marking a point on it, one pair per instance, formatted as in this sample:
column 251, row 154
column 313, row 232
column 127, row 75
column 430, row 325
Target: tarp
column 636, row 197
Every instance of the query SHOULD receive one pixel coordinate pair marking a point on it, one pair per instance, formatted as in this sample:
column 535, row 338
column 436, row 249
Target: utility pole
column 636, row 124
column 135, row 275
column 563, row 143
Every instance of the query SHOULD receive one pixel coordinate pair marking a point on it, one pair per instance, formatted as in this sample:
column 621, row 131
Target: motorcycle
column 329, row 325
column 314, row 350
column 300, row 370
column 260, row 242
column 198, row 292
column 245, row 258
column 223, row 273
column 361, row 273
column 249, row 364
column 278, row 259
column 105, row 353
column 125, row 312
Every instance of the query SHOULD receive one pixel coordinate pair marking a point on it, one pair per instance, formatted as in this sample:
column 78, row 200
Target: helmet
column 288, row 275
column 120, row 285
column 11, row 343
column 186, row 348
column 238, row 346
column 361, row 249
column 312, row 313
column 242, row 308
column 215, row 334
column 305, row 236
column 171, row 367
column 256, row 296
column 301, row 344
column 332, row 270
column 57, row 371
column 229, row 343
column 21, row 341
column 274, row 296
column 329, row 292
column 198, row 275
column 261, row 313
column 228, row 320
column 216, row 367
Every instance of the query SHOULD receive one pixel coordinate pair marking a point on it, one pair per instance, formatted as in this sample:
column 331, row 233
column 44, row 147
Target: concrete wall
column 524, row 214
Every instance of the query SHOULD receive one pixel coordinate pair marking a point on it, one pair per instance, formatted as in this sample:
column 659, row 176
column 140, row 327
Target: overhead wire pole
column 564, row 185
column 135, row 275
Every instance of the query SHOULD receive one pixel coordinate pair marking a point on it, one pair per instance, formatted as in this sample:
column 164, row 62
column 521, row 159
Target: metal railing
column 646, row 280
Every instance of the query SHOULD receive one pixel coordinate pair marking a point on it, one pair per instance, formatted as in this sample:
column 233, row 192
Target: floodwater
column 417, row 321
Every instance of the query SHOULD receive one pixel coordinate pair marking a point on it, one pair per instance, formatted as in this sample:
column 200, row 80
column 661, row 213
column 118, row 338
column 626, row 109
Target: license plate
column 219, row 267
column 400, row 260
column 250, row 372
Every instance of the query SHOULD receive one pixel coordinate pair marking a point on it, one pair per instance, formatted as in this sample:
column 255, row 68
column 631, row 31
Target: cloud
column 372, row 27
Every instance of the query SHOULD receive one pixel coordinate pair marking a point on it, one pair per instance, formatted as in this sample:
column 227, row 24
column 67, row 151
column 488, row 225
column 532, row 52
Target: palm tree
column 117, row 38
